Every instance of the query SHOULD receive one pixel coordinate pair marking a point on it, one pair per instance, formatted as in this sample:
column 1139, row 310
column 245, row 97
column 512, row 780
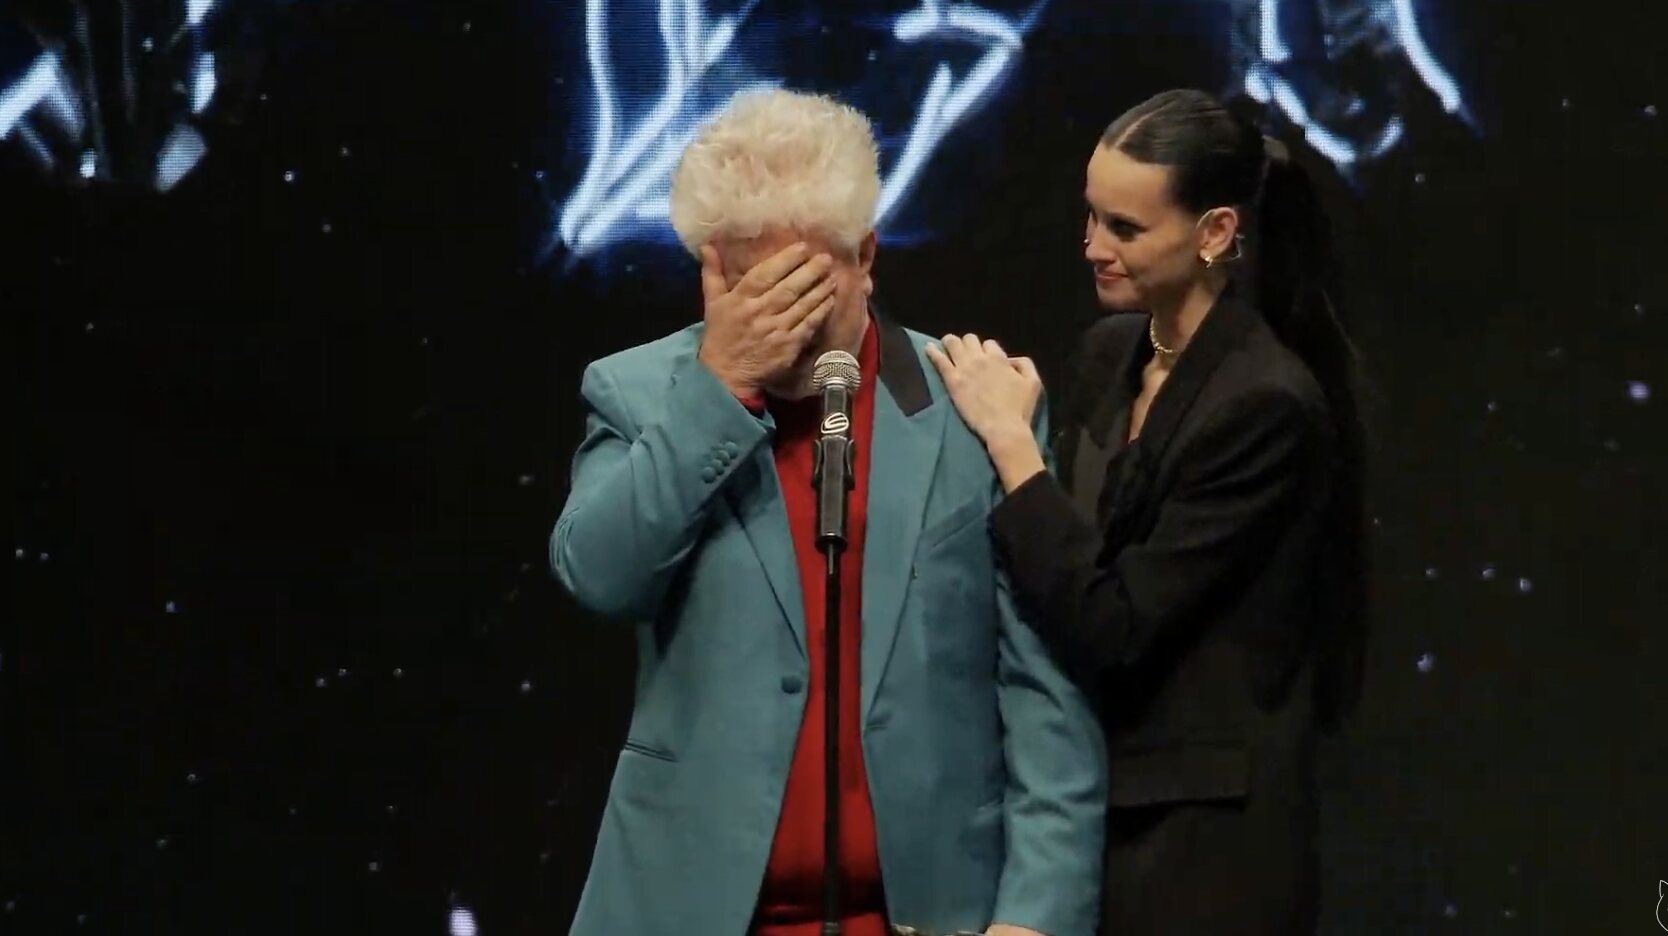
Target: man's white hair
column 778, row 159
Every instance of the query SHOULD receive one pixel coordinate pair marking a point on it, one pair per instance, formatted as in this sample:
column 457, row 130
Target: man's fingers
column 1026, row 367
column 769, row 272
column 790, row 317
column 713, row 285
column 802, row 333
column 801, row 281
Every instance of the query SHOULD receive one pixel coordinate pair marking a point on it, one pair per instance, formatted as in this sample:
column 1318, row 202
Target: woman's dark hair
column 1217, row 159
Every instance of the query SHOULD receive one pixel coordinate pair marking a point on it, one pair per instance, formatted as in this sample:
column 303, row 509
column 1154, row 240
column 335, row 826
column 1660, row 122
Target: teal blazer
column 986, row 764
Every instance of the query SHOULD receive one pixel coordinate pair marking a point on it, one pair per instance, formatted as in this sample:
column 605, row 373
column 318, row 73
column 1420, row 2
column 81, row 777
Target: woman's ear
column 1217, row 229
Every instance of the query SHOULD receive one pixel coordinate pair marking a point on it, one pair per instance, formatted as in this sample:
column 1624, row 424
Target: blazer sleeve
column 1055, row 803
column 639, row 493
column 1247, row 473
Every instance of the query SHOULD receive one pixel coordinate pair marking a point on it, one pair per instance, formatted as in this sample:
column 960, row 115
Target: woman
column 1204, row 553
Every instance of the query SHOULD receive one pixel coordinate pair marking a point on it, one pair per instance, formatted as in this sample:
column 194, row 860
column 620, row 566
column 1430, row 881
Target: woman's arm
column 1244, row 479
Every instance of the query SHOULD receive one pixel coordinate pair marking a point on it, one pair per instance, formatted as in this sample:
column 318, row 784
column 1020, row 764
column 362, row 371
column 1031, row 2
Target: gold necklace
column 1152, row 336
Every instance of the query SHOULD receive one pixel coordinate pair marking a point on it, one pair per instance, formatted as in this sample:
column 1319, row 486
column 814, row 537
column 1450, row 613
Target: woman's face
column 1146, row 249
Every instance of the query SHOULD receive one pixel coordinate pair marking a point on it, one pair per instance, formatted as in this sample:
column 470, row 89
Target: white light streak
column 626, row 179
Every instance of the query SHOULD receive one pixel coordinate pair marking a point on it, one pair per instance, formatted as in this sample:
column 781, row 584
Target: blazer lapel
column 907, row 438
column 1111, row 381
column 1221, row 331
column 754, row 496
column 758, row 505
column 1126, row 496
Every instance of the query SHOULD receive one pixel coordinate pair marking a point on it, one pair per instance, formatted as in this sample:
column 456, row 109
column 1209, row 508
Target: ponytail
column 1296, row 280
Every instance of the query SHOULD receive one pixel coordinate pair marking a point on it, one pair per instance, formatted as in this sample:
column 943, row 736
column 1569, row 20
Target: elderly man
column 972, row 771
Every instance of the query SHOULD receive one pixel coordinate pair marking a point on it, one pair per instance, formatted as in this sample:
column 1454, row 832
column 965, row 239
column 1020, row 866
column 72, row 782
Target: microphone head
column 836, row 368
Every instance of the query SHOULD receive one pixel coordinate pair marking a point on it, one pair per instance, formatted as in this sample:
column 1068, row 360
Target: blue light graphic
column 945, row 102
column 623, row 190
column 1301, row 58
column 1335, row 117
column 42, row 79
column 54, row 111
column 1436, row 78
column 629, row 177
column 204, row 83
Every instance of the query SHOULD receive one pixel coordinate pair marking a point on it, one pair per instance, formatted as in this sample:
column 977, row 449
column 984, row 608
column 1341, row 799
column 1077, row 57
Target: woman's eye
column 1121, row 229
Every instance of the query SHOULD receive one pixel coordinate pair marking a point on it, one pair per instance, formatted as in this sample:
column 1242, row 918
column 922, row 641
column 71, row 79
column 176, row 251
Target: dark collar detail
column 1223, row 329
column 900, row 366
column 1113, row 374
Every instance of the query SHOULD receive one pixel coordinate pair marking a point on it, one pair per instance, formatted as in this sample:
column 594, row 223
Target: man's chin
column 791, row 390
column 795, row 382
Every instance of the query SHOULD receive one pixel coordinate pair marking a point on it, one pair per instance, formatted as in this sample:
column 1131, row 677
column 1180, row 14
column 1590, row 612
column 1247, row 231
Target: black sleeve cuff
column 1033, row 527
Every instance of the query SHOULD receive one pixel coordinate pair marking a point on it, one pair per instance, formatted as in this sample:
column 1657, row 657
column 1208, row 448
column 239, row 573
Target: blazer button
column 792, row 684
column 731, row 449
column 708, row 475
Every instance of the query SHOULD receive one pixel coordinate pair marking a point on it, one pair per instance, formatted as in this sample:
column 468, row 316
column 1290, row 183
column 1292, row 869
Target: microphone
column 836, row 378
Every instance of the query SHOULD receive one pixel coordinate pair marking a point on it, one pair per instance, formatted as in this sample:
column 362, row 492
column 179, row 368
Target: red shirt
column 790, row 902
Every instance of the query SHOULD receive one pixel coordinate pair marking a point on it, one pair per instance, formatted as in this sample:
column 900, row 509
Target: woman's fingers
column 940, row 360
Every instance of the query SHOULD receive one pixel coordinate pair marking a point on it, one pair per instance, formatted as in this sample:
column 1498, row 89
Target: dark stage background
column 297, row 295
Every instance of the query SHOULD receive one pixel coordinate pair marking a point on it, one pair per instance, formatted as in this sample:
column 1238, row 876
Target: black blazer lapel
column 1125, row 498
column 1106, row 380
column 1223, row 329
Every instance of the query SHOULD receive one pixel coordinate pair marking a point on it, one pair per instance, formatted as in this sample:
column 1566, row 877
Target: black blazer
column 1194, row 580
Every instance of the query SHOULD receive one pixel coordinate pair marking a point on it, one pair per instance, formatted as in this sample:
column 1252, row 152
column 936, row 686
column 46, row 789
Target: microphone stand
column 831, row 746
column 834, row 452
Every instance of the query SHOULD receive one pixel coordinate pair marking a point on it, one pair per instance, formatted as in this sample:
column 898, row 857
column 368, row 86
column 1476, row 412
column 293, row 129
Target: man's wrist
column 740, row 389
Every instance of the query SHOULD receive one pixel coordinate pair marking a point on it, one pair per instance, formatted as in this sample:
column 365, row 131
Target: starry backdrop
column 293, row 361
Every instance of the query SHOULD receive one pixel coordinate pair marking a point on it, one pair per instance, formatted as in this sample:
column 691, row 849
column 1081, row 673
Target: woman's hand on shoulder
column 995, row 394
